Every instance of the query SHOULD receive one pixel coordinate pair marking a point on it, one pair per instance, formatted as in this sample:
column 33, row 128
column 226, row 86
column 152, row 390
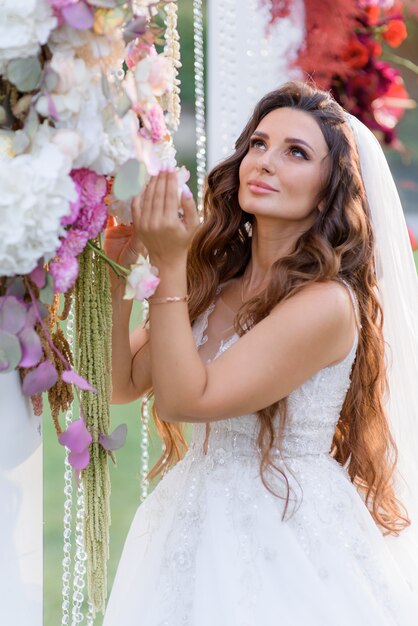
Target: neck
column 267, row 246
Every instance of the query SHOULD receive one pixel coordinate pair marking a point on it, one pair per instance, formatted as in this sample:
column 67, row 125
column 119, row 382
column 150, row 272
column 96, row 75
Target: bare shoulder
column 329, row 301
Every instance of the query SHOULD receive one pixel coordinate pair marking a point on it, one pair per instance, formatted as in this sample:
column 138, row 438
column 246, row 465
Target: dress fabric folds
column 209, row 546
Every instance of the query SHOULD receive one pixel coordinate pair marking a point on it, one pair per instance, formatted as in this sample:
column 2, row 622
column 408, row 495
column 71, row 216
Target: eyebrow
column 259, row 133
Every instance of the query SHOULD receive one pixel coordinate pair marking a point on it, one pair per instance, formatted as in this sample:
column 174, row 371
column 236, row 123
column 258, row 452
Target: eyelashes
column 293, row 148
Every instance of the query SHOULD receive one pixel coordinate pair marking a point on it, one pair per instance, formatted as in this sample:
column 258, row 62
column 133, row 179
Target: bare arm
column 131, row 367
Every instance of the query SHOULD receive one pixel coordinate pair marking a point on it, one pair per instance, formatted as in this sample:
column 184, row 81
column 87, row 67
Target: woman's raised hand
column 122, row 244
column 165, row 234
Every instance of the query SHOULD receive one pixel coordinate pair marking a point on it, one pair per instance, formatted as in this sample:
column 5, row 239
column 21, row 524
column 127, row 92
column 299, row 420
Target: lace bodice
column 313, row 408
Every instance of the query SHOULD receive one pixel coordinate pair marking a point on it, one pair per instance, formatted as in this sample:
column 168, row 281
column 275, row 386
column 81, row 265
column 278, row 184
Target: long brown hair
column 339, row 244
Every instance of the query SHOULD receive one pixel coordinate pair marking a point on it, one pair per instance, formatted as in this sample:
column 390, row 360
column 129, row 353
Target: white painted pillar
column 243, row 64
column 21, row 519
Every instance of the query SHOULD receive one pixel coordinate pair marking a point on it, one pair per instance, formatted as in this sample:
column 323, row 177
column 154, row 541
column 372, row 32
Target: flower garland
column 86, row 104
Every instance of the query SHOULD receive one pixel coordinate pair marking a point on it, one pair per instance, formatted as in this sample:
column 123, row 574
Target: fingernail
column 163, row 167
column 187, row 193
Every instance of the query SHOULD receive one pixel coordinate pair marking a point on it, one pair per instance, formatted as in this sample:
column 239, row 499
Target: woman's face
column 283, row 171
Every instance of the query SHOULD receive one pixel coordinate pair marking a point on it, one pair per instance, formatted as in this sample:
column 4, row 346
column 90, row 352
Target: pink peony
column 92, row 219
column 93, row 213
column 93, row 186
column 64, row 271
column 74, row 243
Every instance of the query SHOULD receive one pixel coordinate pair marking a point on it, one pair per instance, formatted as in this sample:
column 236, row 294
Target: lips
column 258, row 187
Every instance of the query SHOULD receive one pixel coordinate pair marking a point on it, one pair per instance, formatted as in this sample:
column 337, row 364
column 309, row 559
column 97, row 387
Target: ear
column 321, row 206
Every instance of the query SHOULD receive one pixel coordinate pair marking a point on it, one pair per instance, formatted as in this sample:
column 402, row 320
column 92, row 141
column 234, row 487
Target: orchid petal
column 79, row 460
column 40, row 379
column 12, row 314
column 115, row 440
column 78, row 16
column 71, row 377
column 31, row 347
column 38, row 275
column 76, row 438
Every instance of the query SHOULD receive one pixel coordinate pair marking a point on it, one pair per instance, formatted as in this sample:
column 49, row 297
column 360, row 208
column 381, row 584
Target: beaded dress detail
column 209, row 546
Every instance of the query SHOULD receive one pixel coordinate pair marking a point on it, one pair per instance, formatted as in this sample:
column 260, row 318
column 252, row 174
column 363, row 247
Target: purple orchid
column 20, row 346
column 77, row 439
column 77, row 14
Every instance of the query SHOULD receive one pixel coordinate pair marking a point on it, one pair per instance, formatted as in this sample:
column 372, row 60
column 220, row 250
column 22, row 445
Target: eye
column 296, row 151
column 255, row 141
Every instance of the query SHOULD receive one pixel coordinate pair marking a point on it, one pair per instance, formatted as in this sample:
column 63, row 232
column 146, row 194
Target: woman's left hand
column 165, row 234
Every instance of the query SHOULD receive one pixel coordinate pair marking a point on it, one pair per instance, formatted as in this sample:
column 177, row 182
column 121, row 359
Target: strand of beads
column 68, row 503
column 172, row 52
column 143, row 472
column 79, row 561
column 144, row 432
column 199, row 100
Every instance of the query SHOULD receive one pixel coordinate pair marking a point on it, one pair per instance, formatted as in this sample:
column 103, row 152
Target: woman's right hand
column 122, row 245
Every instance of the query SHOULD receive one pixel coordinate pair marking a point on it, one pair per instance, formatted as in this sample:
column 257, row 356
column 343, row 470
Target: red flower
column 389, row 108
column 355, row 54
column 412, row 238
column 395, row 33
column 373, row 13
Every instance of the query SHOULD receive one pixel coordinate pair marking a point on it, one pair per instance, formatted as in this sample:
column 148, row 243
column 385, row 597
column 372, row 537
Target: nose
column 265, row 162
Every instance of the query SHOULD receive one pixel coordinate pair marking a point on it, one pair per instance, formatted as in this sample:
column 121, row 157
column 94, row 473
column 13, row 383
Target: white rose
column 24, row 26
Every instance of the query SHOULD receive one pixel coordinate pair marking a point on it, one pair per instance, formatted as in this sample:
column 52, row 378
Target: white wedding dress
column 208, row 547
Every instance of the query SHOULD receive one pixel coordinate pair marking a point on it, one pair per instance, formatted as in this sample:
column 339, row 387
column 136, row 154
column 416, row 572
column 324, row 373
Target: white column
column 20, row 507
column 243, row 64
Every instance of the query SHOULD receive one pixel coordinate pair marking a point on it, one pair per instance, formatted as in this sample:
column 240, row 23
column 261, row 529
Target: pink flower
column 74, row 243
column 155, row 123
column 137, row 50
column 93, row 213
column 93, row 186
column 92, row 219
column 64, row 271
column 142, row 281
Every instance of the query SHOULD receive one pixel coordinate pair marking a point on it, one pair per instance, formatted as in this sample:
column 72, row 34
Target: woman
column 276, row 512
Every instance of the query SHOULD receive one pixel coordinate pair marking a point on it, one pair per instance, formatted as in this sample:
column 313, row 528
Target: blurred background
column 125, row 475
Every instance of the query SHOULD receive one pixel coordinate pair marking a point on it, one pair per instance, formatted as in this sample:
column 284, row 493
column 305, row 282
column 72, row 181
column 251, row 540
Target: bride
column 266, row 332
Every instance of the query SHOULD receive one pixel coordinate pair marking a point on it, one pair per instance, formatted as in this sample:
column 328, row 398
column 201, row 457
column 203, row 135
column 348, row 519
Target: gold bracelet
column 168, row 299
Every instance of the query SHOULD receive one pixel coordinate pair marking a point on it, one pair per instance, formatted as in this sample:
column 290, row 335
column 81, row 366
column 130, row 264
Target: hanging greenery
column 93, row 311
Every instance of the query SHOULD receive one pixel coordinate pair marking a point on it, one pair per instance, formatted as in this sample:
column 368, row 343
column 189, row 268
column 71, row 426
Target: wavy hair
column 339, row 244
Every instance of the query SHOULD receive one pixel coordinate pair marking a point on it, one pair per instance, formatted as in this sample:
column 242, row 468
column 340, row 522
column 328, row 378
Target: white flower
column 71, row 89
column 24, row 25
column 36, row 194
column 154, row 76
column 117, row 142
column 142, row 281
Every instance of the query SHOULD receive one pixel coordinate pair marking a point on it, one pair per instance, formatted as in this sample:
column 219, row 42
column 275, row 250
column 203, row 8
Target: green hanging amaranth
column 93, row 341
